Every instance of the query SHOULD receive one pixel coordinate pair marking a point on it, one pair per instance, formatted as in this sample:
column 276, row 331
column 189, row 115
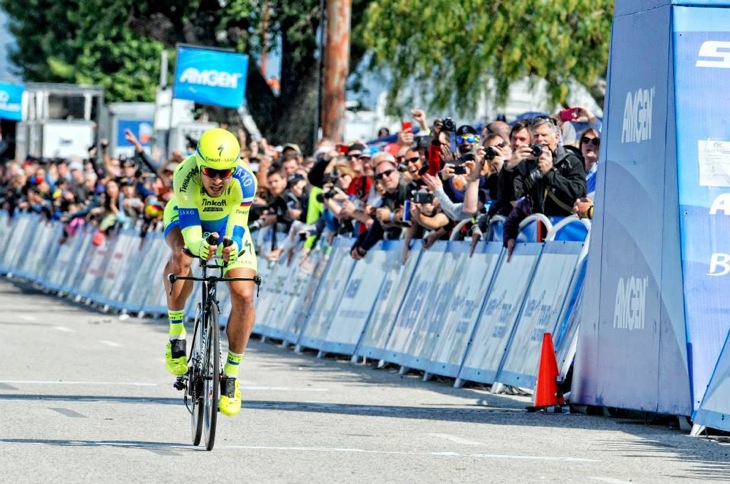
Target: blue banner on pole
column 702, row 59
column 11, row 101
column 210, row 76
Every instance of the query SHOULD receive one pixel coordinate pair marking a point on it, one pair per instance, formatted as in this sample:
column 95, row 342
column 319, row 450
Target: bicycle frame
column 204, row 366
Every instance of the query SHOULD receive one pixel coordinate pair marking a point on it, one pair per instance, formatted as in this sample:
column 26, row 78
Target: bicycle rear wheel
column 195, row 380
column 212, row 372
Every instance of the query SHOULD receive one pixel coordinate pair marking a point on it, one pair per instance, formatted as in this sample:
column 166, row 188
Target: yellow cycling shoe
column 230, row 402
column 177, row 362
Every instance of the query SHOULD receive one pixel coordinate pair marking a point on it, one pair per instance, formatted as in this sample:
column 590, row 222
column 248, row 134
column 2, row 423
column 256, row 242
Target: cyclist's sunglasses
column 466, row 139
column 222, row 174
column 592, row 141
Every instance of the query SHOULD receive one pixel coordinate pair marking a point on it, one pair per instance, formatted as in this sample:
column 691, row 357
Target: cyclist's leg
column 240, row 324
column 179, row 263
column 243, row 314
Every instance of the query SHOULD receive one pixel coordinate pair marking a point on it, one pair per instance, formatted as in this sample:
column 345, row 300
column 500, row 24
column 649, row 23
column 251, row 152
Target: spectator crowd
column 430, row 181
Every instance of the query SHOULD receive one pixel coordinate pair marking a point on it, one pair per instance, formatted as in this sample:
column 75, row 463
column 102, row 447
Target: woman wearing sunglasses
column 213, row 195
column 590, row 141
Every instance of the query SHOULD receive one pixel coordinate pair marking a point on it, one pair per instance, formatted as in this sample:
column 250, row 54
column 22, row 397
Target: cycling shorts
column 247, row 254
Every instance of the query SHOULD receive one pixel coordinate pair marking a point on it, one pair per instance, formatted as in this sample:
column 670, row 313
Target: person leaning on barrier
column 213, row 195
column 550, row 175
column 551, row 178
column 297, row 200
column 458, row 211
column 388, row 216
column 427, row 220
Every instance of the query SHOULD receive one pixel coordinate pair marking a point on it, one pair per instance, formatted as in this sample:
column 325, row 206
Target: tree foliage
column 458, row 49
column 453, row 47
column 84, row 42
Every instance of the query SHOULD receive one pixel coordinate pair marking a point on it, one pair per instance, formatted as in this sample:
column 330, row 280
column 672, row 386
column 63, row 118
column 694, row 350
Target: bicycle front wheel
column 212, row 371
column 195, row 382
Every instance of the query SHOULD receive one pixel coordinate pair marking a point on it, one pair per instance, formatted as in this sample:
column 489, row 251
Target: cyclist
column 213, row 193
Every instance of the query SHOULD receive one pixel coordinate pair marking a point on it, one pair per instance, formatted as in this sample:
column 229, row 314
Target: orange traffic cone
column 547, row 392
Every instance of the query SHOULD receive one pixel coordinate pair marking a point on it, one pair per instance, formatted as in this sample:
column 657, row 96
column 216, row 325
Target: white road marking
column 440, row 454
column 110, row 343
column 41, row 382
column 65, row 329
column 457, row 440
column 28, row 318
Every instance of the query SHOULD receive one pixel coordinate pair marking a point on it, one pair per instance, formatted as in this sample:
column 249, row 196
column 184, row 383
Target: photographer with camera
column 554, row 176
column 454, row 170
column 428, row 220
column 551, row 179
column 389, row 216
column 497, row 152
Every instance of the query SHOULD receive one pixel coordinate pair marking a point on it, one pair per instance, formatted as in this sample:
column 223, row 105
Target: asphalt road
column 85, row 397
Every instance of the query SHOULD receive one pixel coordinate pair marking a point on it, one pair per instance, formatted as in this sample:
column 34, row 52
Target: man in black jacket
column 550, row 181
column 555, row 178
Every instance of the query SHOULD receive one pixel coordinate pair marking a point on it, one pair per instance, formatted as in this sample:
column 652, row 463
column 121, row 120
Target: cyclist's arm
column 188, row 212
column 238, row 218
column 238, row 223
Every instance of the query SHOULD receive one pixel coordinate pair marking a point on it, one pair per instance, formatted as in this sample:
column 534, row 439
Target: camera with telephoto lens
column 448, row 125
column 422, row 196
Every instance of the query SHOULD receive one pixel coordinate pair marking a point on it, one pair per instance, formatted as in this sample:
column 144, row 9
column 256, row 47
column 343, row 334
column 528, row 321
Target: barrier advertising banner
column 413, row 324
column 396, row 279
column 353, row 310
column 499, row 315
column 210, row 76
column 288, row 302
column 329, row 293
column 702, row 77
column 544, row 304
column 465, row 304
column 632, row 351
column 11, row 101
column 316, row 264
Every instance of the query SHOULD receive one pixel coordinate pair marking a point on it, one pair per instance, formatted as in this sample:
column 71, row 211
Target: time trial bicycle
column 202, row 381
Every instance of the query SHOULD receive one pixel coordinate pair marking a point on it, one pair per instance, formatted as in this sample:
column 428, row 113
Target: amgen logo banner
column 210, row 76
column 11, row 97
column 638, row 116
column 630, row 307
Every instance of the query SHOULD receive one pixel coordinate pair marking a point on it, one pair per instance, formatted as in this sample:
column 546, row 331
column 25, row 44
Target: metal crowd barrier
column 441, row 311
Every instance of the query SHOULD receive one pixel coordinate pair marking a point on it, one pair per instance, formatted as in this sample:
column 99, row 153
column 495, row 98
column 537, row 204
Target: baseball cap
column 356, row 147
column 293, row 178
column 466, row 129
